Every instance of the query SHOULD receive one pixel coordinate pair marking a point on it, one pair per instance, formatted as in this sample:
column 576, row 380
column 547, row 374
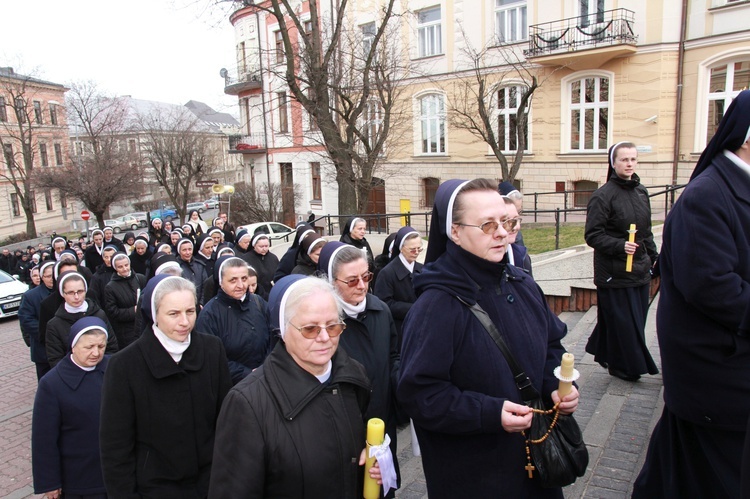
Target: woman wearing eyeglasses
column 295, row 426
column 618, row 341
column 516, row 254
column 394, row 285
column 371, row 337
column 73, row 287
column 454, row 382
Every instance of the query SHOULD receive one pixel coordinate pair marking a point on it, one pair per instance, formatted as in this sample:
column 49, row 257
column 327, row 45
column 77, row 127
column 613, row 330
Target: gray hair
column 346, row 254
column 234, row 262
column 167, row 286
column 303, row 289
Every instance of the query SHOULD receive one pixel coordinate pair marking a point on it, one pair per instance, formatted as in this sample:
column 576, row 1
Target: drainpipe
column 263, row 100
column 678, row 105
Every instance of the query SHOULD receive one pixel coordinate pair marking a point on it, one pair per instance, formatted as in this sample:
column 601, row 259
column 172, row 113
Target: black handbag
column 554, row 444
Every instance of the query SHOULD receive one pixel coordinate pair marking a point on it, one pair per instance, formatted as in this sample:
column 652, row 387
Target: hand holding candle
column 631, row 239
column 567, row 374
column 375, row 436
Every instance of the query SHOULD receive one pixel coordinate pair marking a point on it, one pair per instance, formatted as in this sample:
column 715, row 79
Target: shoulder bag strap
column 528, row 392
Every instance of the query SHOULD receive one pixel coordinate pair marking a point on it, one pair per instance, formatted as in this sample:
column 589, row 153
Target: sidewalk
column 616, row 417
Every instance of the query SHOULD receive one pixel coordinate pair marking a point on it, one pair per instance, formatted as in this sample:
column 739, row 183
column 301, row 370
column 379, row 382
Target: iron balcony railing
column 611, row 27
column 244, row 78
column 247, row 143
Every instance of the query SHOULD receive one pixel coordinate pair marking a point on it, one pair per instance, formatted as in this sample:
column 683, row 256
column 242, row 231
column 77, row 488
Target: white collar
column 175, row 349
column 353, row 311
column 738, row 161
column 409, row 266
column 509, row 251
column 326, row 375
column 75, row 310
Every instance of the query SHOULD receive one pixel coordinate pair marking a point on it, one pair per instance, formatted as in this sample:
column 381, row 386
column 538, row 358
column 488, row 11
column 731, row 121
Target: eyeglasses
column 75, row 293
column 415, row 250
column 311, row 331
column 366, row 277
column 491, row 226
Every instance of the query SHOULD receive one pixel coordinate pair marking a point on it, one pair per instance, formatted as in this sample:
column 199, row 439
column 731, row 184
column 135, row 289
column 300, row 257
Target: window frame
column 280, row 57
column 507, row 112
column 20, row 108
column 568, row 107
column 43, row 156
column 439, row 119
column 53, row 113
column 3, row 111
column 429, row 191
column 58, row 154
column 282, row 100
column 8, row 155
column 48, row 199
column 507, row 11
column 429, row 31
column 316, row 181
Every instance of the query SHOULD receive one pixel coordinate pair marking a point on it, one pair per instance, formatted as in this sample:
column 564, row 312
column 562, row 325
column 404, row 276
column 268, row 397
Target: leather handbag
column 556, row 454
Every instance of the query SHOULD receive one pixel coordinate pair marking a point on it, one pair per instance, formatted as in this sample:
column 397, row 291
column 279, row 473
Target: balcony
column 583, row 42
column 247, row 144
column 237, row 82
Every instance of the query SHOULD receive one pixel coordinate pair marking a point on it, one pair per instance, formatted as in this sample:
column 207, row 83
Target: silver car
column 11, row 291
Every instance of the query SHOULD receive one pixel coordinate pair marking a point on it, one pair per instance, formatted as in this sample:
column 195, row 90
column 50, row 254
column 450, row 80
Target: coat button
column 511, row 299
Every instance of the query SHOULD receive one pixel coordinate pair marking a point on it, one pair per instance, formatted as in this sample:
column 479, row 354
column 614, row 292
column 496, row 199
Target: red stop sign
column 85, row 215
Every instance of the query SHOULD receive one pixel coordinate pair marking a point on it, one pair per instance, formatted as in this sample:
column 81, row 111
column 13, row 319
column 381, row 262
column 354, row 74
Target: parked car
column 200, row 206
column 275, row 230
column 141, row 216
column 11, row 291
column 117, row 225
column 127, row 222
column 211, row 203
column 166, row 214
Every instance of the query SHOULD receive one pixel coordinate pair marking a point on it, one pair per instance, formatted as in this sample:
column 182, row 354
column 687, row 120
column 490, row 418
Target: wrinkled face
column 107, row 257
column 89, row 349
column 358, row 232
column 252, row 283
column 234, row 281
column 74, row 292
column 313, row 355
column 122, row 267
column 262, row 246
column 107, row 234
column 208, row 248
column 98, row 239
column 481, row 207
column 35, row 279
column 141, row 249
column 315, row 253
column 216, row 236
column 186, row 252
column 175, row 315
column 348, row 271
column 244, row 243
column 411, row 249
column 512, row 213
column 47, row 277
column 626, row 159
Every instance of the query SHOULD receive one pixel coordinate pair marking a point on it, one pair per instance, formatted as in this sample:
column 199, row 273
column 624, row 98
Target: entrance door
column 376, row 204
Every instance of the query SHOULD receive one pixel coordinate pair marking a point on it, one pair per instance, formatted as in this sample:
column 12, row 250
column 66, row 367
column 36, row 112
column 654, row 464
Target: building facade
column 658, row 73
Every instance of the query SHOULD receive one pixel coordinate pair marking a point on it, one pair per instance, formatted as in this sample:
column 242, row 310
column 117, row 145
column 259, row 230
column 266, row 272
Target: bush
column 14, row 239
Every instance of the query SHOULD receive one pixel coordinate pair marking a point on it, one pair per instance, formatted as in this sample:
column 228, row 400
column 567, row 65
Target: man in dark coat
column 703, row 326
column 28, row 318
column 7, row 261
column 102, row 276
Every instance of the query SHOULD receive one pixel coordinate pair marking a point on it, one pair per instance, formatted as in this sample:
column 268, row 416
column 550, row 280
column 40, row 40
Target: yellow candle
column 631, row 239
column 566, row 372
column 375, row 436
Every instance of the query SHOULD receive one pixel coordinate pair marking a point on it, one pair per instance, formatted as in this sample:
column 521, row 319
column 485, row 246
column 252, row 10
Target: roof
column 207, row 114
column 8, row 72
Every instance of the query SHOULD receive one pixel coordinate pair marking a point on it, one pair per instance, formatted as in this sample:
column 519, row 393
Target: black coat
column 242, row 326
column 120, row 298
column 282, row 433
column 195, row 272
column 394, row 286
column 265, row 266
column 65, row 430
column 28, row 318
column 159, row 418
column 58, row 329
column 93, row 258
column 363, row 245
column 100, row 280
column 141, row 264
column 611, row 210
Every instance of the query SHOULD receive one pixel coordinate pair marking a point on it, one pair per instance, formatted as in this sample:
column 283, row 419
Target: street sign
column 206, row 183
column 85, row 215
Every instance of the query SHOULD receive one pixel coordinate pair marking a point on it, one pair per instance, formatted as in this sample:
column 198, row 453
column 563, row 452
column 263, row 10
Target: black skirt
column 619, row 340
column 687, row 460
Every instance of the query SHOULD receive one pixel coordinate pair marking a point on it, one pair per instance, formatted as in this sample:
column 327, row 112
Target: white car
column 11, row 291
column 275, row 230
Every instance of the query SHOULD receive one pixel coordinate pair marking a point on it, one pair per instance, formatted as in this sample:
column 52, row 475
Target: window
column 589, row 114
column 432, row 117
column 20, row 108
column 279, row 47
column 48, row 199
column 510, row 20
column 592, row 11
column 726, row 82
column 316, row 184
column 43, row 154
column 283, row 119
column 79, row 148
column 368, row 37
column 53, row 113
column 38, row 112
column 32, row 201
column 307, row 26
column 429, row 32
column 583, row 189
column 429, row 188
column 8, row 153
column 373, row 122
column 312, row 124
column 3, row 111
column 58, row 155
column 63, row 200
column 507, row 122
column 15, row 206
column 131, row 145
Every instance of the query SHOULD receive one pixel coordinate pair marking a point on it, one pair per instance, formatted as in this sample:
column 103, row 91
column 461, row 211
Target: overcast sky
column 162, row 50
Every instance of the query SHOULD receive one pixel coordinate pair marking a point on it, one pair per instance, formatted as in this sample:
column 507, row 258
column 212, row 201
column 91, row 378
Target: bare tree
column 179, row 149
column 19, row 141
column 345, row 77
column 496, row 76
column 103, row 170
column 251, row 204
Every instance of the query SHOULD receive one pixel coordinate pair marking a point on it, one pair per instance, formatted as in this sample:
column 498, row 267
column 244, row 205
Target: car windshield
column 5, row 277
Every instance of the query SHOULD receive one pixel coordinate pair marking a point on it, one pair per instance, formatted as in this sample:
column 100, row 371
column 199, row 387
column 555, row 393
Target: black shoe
column 604, row 364
column 625, row 377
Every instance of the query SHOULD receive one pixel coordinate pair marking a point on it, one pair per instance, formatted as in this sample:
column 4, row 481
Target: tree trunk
column 347, row 194
column 99, row 219
column 30, row 223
